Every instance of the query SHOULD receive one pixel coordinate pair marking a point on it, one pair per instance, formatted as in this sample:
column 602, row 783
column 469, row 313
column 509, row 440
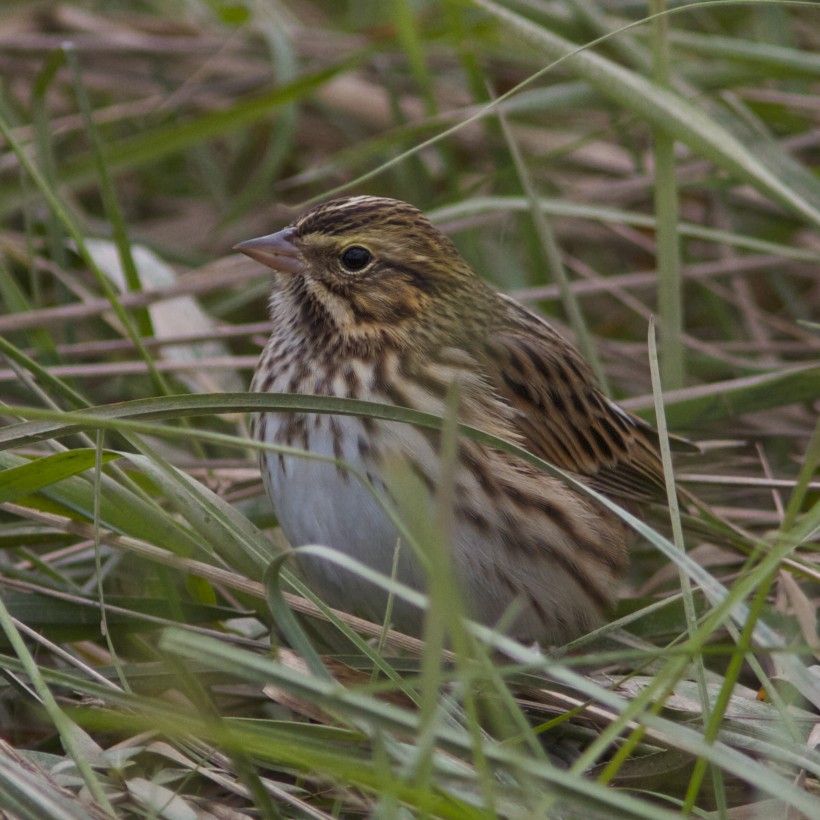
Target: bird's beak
column 276, row 250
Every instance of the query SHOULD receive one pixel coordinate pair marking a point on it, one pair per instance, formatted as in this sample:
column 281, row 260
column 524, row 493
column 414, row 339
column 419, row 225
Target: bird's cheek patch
column 387, row 304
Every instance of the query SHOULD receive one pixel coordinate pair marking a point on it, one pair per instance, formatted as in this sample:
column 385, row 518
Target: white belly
column 317, row 502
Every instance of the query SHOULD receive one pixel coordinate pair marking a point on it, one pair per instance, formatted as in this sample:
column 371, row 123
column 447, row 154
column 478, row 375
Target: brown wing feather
column 563, row 417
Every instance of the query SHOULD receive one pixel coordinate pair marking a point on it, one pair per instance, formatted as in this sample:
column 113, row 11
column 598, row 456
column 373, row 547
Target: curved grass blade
column 25, row 479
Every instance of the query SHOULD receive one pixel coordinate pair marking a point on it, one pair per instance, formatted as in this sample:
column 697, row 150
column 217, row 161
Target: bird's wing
column 563, row 417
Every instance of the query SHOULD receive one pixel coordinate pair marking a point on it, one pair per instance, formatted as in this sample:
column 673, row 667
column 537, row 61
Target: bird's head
column 368, row 265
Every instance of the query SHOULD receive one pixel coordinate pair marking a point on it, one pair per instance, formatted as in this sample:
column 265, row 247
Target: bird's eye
column 355, row 258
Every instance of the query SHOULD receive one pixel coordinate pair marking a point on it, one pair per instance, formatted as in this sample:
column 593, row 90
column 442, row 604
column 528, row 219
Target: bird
column 371, row 301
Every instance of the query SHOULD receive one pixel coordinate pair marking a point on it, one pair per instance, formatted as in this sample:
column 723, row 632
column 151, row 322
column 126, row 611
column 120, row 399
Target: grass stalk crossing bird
column 371, row 301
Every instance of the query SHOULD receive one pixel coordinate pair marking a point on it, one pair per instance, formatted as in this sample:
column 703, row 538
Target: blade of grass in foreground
column 40, row 472
column 68, row 731
column 114, row 417
column 726, row 604
column 534, row 658
column 686, row 587
column 394, row 719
